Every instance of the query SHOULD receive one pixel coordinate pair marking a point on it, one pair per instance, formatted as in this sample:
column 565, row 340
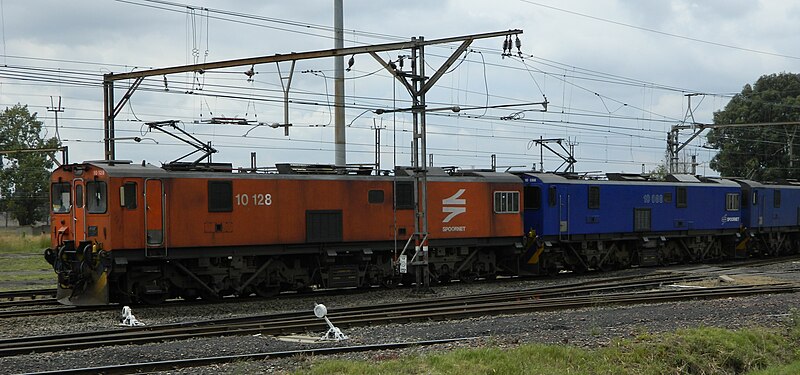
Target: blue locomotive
column 625, row 220
column 771, row 217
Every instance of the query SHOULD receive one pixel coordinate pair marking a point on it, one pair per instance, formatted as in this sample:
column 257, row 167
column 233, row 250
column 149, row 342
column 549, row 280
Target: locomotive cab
column 79, row 218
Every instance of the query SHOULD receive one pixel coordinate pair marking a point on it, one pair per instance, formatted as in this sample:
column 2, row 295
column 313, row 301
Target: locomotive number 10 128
column 253, row 199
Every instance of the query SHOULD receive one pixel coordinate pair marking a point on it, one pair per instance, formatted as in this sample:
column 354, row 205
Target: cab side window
column 96, row 197
column 128, row 195
column 680, row 197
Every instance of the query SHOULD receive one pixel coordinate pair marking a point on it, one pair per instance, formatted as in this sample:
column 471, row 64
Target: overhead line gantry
column 416, row 83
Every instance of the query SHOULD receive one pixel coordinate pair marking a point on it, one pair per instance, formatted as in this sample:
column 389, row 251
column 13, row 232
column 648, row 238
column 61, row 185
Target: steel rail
column 29, row 302
column 301, row 322
column 762, row 262
column 55, row 310
column 146, row 367
column 32, row 293
column 584, row 287
column 327, row 293
column 13, row 295
column 31, row 297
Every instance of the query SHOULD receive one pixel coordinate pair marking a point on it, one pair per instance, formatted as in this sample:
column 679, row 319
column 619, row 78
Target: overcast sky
column 615, row 74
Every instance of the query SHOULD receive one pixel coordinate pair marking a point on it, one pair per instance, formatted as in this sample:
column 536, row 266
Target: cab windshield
column 60, row 197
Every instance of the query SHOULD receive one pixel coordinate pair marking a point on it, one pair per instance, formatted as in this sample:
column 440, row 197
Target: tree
column 762, row 153
column 24, row 177
column 660, row 172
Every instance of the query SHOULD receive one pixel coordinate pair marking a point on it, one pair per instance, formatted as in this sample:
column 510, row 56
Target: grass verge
column 23, row 243
column 22, row 264
column 706, row 350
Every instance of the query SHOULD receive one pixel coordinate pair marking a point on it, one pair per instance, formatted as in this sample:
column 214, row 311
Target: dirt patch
column 735, row 280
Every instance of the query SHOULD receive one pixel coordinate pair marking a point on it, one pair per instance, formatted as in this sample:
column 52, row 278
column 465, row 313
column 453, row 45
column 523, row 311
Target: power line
column 661, row 32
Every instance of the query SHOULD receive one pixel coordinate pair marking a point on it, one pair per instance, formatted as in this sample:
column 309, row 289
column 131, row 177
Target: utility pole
column 674, row 146
column 789, row 145
column 56, row 109
column 377, row 129
column 285, row 86
column 340, row 145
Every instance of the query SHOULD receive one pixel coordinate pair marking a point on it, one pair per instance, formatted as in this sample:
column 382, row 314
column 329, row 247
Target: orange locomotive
column 123, row 232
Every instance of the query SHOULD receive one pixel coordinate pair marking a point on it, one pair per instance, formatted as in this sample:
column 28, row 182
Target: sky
column 616, row 76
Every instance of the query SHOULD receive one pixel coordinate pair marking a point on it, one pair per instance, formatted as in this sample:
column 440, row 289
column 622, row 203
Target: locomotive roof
column 550, row 178
column 128, row 169
column 753, row 184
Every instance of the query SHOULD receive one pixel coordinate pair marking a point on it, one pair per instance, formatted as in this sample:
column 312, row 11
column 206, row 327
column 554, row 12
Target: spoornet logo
column 453, row 205
column 729, row 219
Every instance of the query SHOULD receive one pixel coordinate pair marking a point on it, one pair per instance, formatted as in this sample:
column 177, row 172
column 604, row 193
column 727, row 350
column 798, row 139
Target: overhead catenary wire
column 698, row 40
column 589, row 125
column 62, row 81
column 492, row 118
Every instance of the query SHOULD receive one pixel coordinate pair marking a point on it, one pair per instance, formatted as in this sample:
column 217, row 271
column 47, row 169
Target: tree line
column 24, row 177
column 760, row 153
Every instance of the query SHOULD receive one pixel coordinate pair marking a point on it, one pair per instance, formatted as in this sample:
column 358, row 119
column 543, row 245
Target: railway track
column 30, row 294
column 44, row 297
column 27, row 294
column 748, row 266
column 614, row 292
column 146, row 367
column 33, row 297
column 763, row 262
column 56, row 308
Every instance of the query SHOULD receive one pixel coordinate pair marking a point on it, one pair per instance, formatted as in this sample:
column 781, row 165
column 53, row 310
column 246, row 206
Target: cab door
column 759, row 199
column 79, row 211
column 563, row 213
column 154, row 215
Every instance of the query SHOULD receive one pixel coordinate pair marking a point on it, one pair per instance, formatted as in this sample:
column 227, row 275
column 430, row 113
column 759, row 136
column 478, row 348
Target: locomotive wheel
column 407, row 279
column 152, row 299
column 468, row 277
column 189, row 294
column 210, row 297
column 265, row 291
column 390, row 282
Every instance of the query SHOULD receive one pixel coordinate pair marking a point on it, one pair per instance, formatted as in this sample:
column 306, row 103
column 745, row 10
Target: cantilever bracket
column 187, row 138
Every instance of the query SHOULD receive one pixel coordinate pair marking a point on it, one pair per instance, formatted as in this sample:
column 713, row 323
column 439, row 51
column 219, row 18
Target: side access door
column 79, row 210
column 563, row 213
column 154, row 218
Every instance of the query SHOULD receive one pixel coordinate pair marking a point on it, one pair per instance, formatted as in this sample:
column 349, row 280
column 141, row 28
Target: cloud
column 605, row 82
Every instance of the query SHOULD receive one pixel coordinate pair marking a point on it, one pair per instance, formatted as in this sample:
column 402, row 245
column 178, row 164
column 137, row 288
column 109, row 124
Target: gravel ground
column 589, row 327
